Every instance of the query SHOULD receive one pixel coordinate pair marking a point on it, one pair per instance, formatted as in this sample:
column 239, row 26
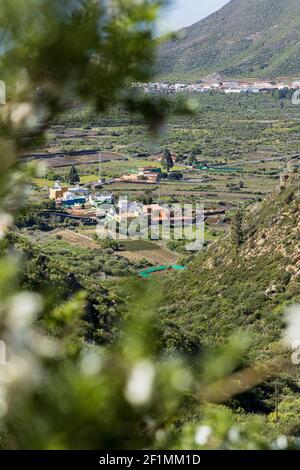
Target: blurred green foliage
column 60, row 389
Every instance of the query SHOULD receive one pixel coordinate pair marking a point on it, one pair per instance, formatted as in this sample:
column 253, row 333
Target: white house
column 233, row 90
column 126, row 206
column 99, row 199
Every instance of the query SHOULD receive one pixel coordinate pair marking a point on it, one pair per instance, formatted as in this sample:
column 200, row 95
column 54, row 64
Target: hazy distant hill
column 259, row 38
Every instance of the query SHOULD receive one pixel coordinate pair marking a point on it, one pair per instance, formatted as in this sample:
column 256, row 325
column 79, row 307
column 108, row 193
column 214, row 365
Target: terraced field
column 135, row 251
column 75, row 238
column 62, row 159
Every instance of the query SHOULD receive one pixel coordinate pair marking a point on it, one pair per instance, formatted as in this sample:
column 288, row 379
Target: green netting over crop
column 147, row 272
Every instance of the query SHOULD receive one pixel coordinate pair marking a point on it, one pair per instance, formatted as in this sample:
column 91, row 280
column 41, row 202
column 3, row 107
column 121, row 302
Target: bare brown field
column 58, row 160
column 157, row 256
column 75, row 239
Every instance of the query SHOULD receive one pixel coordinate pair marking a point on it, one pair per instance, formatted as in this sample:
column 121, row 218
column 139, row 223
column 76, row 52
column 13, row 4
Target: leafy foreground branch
column 64, row 393
column 58, row 391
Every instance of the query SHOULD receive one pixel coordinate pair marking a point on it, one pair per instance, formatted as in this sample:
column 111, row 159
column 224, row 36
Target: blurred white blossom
column 282, row 442
column 20, row 113
column 203, row 434
column 292, row 331
column 160, row 435
column 139, row 386
column 233, row 435
column 91, row 363
column 23, row 307
column 5, row 221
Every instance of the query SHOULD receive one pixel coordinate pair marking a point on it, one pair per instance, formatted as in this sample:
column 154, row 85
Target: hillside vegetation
column 243, row 282
column 254, row 38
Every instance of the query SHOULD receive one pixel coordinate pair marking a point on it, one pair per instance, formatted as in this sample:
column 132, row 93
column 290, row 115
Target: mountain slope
column 258, row 38
column 227, row 289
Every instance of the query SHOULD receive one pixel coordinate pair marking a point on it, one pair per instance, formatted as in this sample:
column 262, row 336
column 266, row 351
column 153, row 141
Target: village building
column 69, row 199
column 78, row 191
column 125, row 206
column 57, row 191
column 97, row 200
column 162, row 215
column 125, row 178
column 156, row 214
column 145, row 175
column 232, row 90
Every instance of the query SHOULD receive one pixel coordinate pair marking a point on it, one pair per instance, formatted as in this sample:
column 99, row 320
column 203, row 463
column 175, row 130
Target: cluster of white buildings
column 125, row 212
column 218, row 85
column 124, row 215
column 80, row 201
column 77, row 196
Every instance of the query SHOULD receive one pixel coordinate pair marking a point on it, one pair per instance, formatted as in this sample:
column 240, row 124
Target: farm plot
column 75, row 238
column 88, row 157
column 136, row 251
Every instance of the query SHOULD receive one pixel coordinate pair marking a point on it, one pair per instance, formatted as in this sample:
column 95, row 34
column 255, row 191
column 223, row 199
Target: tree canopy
column 167, row 160
column 73, row 175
